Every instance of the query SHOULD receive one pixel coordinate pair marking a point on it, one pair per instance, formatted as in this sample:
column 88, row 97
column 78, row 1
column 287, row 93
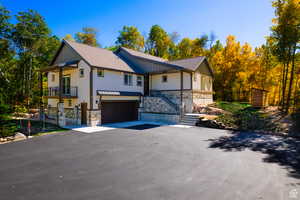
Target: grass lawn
column 232, row 106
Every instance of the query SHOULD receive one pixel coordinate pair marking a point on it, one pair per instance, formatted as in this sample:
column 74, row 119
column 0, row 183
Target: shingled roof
column 99, row 57
column 144, row 55
column 189, row 63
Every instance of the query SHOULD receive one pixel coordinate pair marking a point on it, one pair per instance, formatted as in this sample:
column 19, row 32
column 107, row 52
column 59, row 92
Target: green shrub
column 7, row 127
column 248, row 120
column 227, row 119
column 20, row 109
column 244, row 117
column 296, row 121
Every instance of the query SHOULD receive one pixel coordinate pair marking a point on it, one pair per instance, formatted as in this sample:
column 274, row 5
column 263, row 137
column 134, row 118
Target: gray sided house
column 93, row 86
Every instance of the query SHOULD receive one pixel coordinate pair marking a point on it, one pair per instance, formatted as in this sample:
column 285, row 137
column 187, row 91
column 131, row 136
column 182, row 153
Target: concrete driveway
column 165, row 162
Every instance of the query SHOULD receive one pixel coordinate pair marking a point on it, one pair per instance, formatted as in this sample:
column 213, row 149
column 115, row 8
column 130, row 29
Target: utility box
column 259, row 97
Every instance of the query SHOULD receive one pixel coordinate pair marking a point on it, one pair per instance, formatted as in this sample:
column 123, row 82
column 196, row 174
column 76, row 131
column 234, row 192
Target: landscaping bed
column 244, row 117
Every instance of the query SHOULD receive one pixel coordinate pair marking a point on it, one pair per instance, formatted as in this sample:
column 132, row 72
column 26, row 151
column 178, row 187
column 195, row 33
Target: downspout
column 60, row 83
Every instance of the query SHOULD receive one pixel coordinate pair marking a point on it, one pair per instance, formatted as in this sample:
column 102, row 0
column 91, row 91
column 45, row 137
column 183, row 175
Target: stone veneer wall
column 93, row 117
column 202, row 98
column 52, row 112
column 156, row 117
column 174, row 96
column 157, row 105
column 72, row 116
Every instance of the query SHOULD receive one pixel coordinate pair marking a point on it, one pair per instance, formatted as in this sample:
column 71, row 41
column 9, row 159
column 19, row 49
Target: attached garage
column 119, row 111
column 118, row 106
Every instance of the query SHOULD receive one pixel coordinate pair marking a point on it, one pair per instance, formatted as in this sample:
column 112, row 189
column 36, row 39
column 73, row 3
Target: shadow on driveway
column 143, row 126
column 284, row 151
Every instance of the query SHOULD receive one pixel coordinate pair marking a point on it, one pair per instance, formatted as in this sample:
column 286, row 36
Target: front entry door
column 83, row 113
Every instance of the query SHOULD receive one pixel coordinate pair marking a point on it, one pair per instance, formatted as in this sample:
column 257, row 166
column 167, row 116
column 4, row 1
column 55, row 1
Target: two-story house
column 93, row 86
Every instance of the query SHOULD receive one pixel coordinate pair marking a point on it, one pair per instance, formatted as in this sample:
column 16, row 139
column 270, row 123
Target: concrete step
column 189, row 124
column 188, row 117
column 189, row 121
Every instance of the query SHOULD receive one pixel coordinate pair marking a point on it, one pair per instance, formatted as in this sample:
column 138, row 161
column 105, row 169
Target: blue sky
column 248, row 20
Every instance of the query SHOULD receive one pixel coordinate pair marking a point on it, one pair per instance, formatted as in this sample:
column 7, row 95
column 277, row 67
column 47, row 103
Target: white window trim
column 129, row 79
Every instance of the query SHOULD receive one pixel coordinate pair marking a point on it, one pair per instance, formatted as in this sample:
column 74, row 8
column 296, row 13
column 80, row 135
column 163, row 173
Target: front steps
column 189, row 119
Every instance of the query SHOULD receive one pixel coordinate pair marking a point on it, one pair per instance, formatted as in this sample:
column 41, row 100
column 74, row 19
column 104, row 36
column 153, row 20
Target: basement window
column 164, row 78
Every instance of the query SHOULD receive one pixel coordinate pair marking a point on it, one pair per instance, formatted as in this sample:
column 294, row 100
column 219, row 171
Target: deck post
column 181, row 93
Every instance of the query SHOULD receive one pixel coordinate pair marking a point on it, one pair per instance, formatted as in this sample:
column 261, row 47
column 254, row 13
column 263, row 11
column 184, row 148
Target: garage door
column 119, row 111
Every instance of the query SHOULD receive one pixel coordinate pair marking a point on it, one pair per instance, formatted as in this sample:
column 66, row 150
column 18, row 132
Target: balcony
column 69, row 92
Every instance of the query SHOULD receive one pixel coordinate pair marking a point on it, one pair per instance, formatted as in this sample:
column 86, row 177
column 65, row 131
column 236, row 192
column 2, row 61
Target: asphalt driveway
column 155, row 163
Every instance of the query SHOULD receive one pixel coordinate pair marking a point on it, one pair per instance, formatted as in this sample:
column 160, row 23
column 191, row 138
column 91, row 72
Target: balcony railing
column 67, row 92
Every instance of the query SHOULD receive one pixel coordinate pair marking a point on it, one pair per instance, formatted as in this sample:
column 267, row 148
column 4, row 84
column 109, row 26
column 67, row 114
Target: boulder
column 210, row 124
column 209, row 110
column 20, row 136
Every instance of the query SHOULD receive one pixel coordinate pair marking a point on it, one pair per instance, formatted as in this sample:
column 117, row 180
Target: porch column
column 60, row 84
column 94, row 115
column 61, row 119
column 181, row 93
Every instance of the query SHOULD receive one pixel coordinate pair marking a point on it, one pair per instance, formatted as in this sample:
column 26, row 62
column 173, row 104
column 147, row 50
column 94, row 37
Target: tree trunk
column 291, row 81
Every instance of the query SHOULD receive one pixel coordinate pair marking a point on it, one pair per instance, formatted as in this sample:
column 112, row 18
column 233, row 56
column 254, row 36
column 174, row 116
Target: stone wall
column 52, row 112
column 93, row 117
column 156, row 117
column 72, row 116
column 158, row 105
column 202, row 98
column 174, row 96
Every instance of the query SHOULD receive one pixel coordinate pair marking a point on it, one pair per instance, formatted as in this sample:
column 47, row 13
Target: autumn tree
column 158, row 42
column 69, row 37
column 131, row 38
column 87, row 36
column 286, row 36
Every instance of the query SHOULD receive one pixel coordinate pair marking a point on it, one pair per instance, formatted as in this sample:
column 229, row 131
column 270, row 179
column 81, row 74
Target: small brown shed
column 259, row 97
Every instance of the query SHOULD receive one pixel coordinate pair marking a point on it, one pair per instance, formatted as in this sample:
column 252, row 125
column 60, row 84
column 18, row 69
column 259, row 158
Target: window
column 69, row 102
column 127, row 79
column 164, row 78
column 210, row 84
column 53, row 77
column 139, row 81
column 195, row 76
column 206, row 83
column 100, row 72
column 81, row 73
